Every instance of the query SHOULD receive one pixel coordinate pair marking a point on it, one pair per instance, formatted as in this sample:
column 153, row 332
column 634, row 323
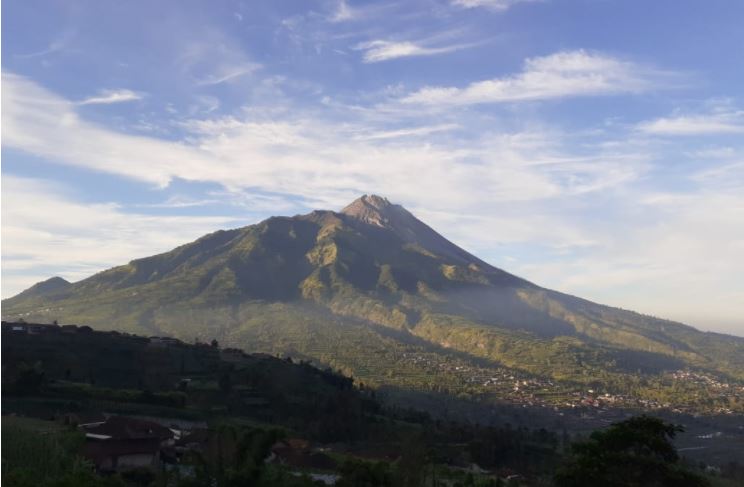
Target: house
column 117, row 455
column 38, row 329
column 164, row 341
column 121, row 443
column 30, row 328
column 296, row 453
column 15, row 327
column 233, row 354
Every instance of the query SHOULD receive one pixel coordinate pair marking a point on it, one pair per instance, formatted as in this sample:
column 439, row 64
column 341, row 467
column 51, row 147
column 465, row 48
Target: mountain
column 44, row 287
column 375, row 292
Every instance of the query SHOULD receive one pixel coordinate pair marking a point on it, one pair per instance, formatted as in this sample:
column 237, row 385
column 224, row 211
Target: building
column 122, row 443
column 164, row 341
column 297, row 453
column 30, row 328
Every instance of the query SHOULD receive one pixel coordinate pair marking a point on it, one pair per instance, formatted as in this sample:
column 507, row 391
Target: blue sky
column 593, row 146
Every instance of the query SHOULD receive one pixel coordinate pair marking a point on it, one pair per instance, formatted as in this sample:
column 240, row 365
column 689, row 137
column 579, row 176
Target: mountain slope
column 314, row 285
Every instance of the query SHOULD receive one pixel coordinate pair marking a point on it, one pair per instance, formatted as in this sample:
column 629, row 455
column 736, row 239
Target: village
column 505, row 385
column 520, row 388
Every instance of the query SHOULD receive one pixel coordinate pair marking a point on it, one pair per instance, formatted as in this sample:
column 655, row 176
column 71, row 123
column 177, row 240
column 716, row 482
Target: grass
column 34, row 451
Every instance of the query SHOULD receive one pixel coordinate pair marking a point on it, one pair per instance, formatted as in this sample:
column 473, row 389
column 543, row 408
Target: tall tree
column 637, row 452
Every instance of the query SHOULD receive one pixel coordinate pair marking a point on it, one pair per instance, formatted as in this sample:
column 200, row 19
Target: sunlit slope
column 324, row 284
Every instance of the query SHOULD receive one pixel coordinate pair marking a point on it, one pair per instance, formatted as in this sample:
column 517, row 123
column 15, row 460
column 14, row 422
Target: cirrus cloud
column 728, row 122
column 106, row 97
column 380, row 50
column 558, row 75
column 496, row 5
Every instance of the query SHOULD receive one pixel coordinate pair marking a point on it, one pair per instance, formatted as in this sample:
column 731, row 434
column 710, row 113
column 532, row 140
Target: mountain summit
column 374, row 209
column 378, row 211
column 355, row 289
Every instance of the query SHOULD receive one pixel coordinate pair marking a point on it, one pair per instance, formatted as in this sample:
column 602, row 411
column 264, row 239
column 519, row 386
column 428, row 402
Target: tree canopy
column 635, row 452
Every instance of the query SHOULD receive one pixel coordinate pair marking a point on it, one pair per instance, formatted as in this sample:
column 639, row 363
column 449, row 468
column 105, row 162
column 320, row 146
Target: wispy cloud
column 497, row 5
column 407, row 132
column 718, row 123
column 55, row 46
column 228, row 73
column 39, row 122
column 299, row 152
column 563, row 74
column 106, row 97
column 180, row 202
column 380, row 50
column 343, row 12
column 213, row 58
column 58, row 235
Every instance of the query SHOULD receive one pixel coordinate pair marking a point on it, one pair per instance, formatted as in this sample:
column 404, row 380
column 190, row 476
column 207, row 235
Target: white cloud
column 407, row 132
column 563, row 74
column 56, row 46
column 41, row 123
column 213, row 58
column 497, row 5
column 609, row 239
column 728, row 174
column 343, row 12
column 727, row 122
column 52, row 48
column 205, row 104
column 380, row 50
column 105, row 97
column 225, row 74
column 297, row 153
column 46, row 233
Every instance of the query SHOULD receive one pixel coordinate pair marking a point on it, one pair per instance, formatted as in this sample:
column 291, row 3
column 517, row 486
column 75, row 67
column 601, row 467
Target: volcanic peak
column 372, row 209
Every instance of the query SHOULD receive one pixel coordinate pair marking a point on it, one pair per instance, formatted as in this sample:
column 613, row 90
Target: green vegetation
column 636, row 452
column 44, row 454
column 250, row 403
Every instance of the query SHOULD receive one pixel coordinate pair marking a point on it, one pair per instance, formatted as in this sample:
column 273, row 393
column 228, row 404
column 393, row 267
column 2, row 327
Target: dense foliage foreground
column 258, row 420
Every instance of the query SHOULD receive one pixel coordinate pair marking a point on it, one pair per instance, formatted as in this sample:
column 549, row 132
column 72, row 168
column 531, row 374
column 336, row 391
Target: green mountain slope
column 375, row 291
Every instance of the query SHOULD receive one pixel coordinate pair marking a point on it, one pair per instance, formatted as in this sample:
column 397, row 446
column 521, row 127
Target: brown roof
column 122, row 427
column 297, row 443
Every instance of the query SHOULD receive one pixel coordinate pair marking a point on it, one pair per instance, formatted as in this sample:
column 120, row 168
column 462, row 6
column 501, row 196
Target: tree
column 632, row 453
column 410, row 466
column 225, row 382
column 355, row 473
column 30, row 378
